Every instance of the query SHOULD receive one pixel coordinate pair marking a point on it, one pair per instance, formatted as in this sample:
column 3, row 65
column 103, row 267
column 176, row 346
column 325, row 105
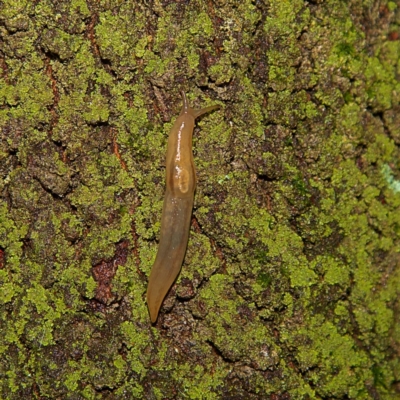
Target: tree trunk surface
column 290, row 285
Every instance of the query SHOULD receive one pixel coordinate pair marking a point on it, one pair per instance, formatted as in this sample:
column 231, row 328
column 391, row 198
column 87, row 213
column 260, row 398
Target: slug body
column 177, row 208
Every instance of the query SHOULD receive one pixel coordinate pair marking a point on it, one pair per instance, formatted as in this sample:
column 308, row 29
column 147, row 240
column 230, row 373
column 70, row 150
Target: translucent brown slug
column 177, row 208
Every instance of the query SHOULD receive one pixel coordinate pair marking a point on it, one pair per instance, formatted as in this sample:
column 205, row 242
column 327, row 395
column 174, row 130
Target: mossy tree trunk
column 291, row 281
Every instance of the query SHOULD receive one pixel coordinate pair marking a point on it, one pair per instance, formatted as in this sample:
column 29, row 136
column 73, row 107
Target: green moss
column 11, row 236
column 301, row 275
column 380, row 73
column 31, row 105
column 222, row 71
column 382, row 149
column 97, row 111
column 136, row 343
column 264, row 279
column 282, row 18
column 336, row 272
column 290, row 281
column 112, row 32
column 201, row 384
column 81, row 6
column 201, row 24
column 72, row 379
column 333, row 352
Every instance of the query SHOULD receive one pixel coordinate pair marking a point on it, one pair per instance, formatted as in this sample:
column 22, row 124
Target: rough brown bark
column 290, row 286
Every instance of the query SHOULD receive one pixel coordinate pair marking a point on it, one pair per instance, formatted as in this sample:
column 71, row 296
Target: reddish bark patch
column 104, row 272
column 2, row 258
column 116, row 150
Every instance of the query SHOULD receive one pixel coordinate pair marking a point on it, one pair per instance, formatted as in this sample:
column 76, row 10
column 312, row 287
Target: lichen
column 290, row 283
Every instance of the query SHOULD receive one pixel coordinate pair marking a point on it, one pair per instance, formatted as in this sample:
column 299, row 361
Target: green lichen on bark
column 290, row 285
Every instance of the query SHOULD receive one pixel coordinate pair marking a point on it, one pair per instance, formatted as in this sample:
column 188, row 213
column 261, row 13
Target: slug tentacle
column 177, row 208
column 195, row 113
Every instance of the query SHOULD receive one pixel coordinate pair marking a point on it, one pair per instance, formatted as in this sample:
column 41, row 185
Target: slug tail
column 154, row 306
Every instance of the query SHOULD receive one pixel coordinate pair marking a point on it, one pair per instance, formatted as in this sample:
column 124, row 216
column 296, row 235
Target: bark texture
column 291, row 282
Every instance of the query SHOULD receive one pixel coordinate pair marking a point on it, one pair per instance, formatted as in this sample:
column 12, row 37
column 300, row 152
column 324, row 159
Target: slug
column 177, row 208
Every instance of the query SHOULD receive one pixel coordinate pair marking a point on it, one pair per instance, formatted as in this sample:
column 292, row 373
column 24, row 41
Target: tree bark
column 291, row 281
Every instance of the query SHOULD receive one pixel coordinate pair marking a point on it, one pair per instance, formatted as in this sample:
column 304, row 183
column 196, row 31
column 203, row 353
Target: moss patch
column 290, row 284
